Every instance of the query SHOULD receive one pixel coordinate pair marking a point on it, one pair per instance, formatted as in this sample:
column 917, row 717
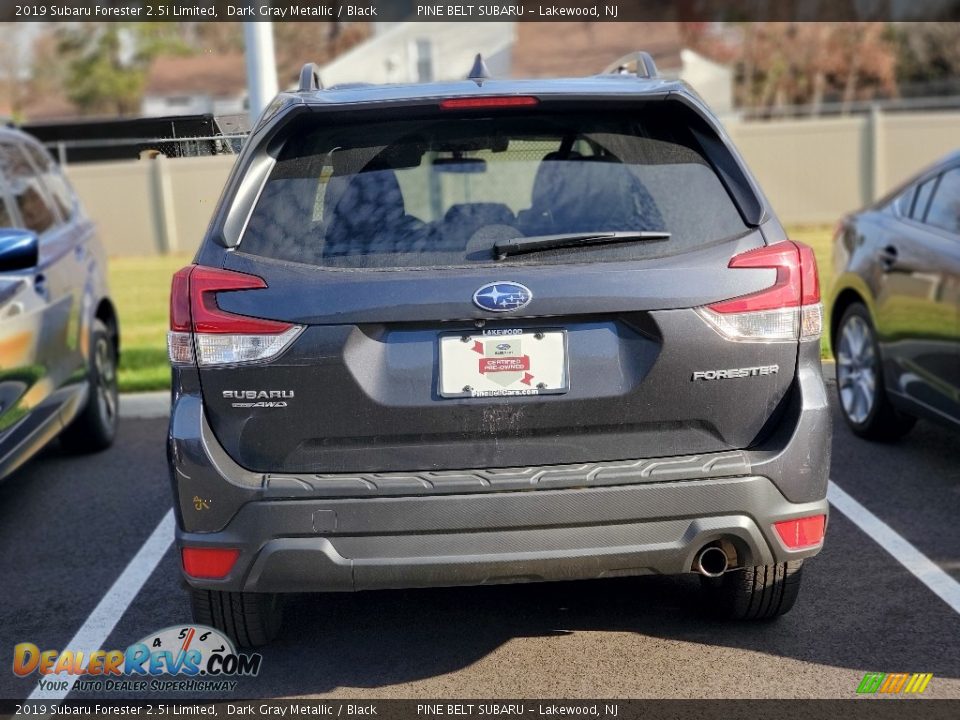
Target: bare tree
column 12, row 69
column 928, row 60
column 788, row 64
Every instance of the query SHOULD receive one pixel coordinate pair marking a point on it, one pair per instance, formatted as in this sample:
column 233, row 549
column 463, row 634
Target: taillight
column 803, row 532
column 203, row 333
column 180, row 300
column 180, row 337
column 214, row 563
column 477, row 103
column 789, row 309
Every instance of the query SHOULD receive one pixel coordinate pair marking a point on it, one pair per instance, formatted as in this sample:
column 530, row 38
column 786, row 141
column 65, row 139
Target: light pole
column 261, row 66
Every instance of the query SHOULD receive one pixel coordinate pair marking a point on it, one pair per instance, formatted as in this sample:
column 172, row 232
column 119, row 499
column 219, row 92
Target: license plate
column 509, row 362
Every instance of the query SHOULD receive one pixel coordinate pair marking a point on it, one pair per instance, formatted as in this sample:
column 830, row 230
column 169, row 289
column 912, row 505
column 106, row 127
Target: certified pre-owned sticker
column 736, row 373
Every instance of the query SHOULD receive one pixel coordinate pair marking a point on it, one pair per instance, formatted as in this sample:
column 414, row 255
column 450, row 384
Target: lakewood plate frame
column 493, row 333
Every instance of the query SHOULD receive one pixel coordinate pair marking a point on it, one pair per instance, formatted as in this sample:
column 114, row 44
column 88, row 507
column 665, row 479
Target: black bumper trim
column 372, row 543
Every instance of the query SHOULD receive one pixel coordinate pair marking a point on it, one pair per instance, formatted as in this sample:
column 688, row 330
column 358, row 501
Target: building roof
column 42, row 107
column 209, row 74
column 574, row 49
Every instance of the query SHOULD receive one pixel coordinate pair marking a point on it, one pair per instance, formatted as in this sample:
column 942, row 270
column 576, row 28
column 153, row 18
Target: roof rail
column 310, row 78
column 349, row 86
column 640, row 63
column 479, row 71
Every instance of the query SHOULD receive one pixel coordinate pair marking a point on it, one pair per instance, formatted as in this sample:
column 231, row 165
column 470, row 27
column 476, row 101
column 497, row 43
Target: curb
column 829, row 370
column 146, row 405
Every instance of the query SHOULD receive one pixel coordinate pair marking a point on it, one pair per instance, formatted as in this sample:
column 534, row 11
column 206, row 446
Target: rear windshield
column 443, row 191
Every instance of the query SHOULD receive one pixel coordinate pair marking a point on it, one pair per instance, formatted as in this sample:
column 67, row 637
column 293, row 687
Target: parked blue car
column 59, row 335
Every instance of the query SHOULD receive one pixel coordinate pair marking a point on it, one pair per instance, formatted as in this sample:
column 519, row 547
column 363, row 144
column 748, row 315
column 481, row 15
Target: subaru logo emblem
column 502, row 296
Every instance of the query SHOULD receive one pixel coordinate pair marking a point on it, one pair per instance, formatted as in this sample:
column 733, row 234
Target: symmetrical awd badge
column 258, row 398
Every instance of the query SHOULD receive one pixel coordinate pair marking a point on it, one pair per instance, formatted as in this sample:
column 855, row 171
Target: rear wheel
column 96, row 425
column 863, row 398
column 762, row 592
column 249, row 619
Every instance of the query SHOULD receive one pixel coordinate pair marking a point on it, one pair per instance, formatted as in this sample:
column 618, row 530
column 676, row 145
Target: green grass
column 141, row 290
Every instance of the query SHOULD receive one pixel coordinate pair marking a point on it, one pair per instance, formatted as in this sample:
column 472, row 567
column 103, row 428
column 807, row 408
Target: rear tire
column 754, row 593
column 96, row 426
column 860, row 390
column 249, row 619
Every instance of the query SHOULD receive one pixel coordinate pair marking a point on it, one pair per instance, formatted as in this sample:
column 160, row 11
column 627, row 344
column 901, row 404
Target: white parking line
column 115, row 602
column 922, row 567
column 100, row 623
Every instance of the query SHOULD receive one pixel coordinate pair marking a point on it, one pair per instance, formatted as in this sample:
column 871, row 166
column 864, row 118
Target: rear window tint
column 903, row 203
column 27, row 190
column 923, row 199
column 53, row 178
column 944, row 209
column 441, row 192
column 6, row 214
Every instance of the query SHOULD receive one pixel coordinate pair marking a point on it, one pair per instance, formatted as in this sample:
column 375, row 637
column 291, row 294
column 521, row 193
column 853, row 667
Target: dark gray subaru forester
column 494, row 331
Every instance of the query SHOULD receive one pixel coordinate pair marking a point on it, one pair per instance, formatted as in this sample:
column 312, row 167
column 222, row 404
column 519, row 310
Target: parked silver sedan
column 58, row 328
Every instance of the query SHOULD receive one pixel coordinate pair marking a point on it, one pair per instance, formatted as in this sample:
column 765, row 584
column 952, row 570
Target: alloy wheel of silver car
column 106, row 389
column 857, row 369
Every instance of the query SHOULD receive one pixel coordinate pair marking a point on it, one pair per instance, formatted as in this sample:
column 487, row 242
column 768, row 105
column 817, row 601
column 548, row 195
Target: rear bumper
column 372, row 543
column 319, row 533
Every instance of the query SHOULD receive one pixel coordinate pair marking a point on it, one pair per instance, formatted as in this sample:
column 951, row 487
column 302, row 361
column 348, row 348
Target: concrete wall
column 911, row 141
column 813, row 171
column 119, row 196
column 149, row 207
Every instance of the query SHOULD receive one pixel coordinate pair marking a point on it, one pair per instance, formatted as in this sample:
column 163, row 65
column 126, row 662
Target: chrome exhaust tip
column 711, row 562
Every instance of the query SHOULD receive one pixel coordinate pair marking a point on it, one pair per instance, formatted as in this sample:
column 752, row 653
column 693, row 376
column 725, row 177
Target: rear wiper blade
column 520, row 245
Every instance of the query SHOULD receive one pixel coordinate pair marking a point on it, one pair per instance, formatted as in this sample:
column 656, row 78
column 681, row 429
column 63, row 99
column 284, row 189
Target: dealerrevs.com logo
column 191, row 658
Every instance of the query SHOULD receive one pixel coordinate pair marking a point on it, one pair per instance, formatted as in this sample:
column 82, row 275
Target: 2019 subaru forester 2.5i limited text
column 494, row 331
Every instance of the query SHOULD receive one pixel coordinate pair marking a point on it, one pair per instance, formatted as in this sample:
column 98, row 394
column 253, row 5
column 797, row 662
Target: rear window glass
column 56, row 183
column 904, row 201
column 923, row 199
column 27, row 191
column 6, row 217
column 945, row 207
column 442, row 192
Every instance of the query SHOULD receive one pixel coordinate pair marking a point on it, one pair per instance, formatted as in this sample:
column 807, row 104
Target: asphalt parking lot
column 69, row 527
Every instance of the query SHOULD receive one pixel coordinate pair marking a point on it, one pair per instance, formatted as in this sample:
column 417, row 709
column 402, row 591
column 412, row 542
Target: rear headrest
column 358, row 198
column 580, row 195
column 362, row 211
column 479, row 213
column 462, row 220
column 559, row 155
